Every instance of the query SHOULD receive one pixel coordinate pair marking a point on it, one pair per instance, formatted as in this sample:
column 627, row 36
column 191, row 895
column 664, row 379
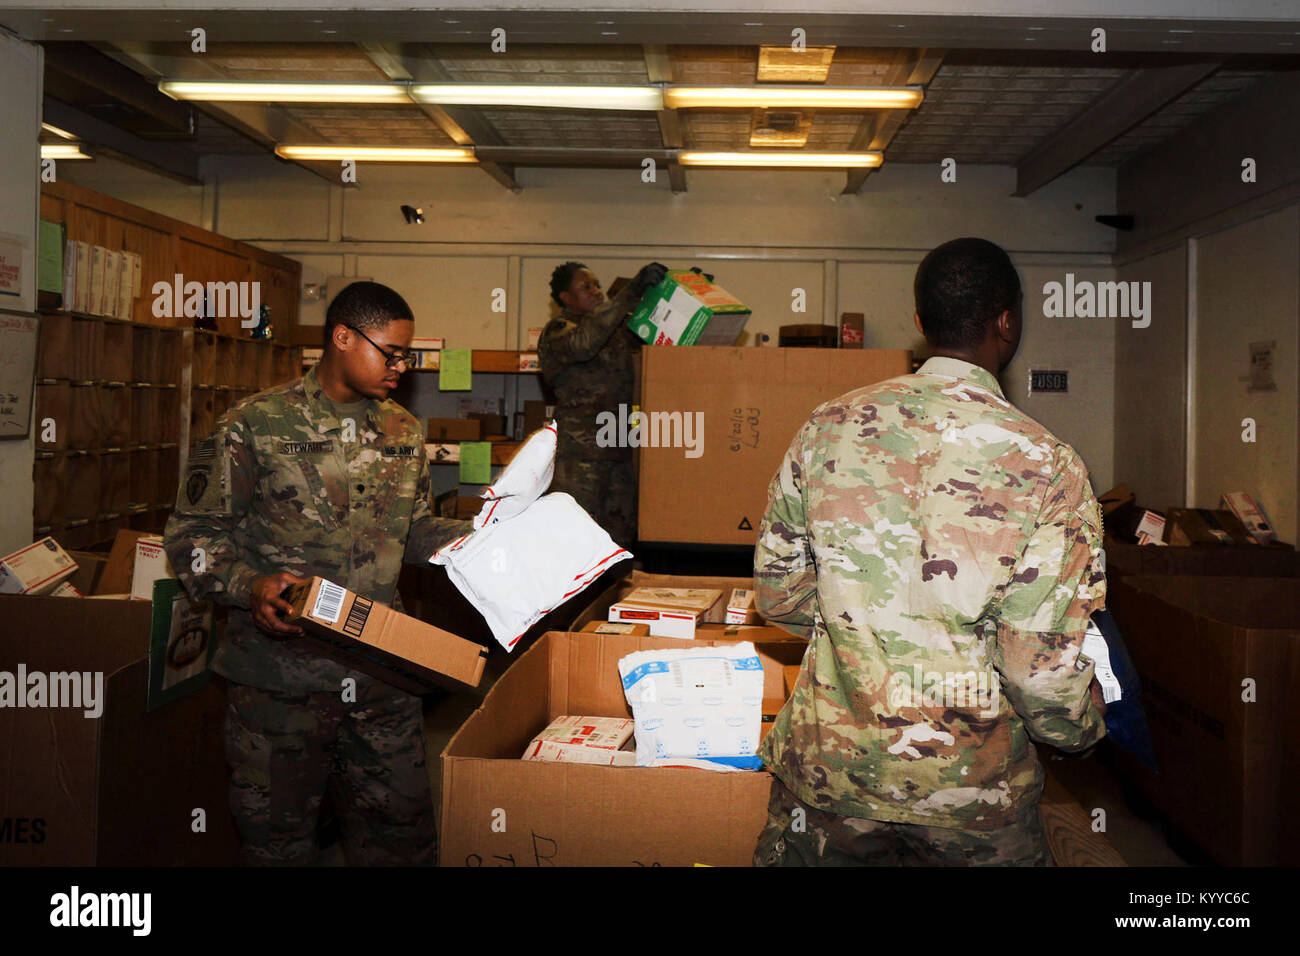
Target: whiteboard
column 17, row 372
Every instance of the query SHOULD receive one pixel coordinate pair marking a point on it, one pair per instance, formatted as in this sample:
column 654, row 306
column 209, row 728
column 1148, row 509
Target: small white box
column 151, row 564
column 594, row 740
column 740, row 607
column 670, row 612
column 1151, row 529
column 38, row 568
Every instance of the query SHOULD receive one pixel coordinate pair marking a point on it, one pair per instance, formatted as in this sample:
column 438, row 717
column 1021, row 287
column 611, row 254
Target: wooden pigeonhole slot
column 54, row 347
column 228, row 355
column 266, row 366
column 250, row 358
column 284, row 365
column 114, row 415
column 114, row 482
column 81, row 498
column 50, row 481
column 168, row 344
column 85, row 348
column 144, row 476
column 202, row 413
column 222, row 399
column 144, row 356
column 144, row 415
column 205, row 358
column 167, row 414
column 169, row 474
column 117, row 356
column 53, row 415
column 83, row 415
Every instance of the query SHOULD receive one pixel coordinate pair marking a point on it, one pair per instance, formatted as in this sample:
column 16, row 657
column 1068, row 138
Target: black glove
column 700, row 272
column 649, row 277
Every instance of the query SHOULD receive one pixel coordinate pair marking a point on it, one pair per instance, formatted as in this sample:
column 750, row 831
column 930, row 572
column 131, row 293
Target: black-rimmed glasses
column 390, row 358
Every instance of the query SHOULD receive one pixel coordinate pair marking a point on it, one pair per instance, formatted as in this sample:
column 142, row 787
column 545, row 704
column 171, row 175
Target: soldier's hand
column 266, row 602
column 1098, row 700
column 650, row 275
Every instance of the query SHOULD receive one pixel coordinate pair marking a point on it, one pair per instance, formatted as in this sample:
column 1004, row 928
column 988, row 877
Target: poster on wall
column 17, row 372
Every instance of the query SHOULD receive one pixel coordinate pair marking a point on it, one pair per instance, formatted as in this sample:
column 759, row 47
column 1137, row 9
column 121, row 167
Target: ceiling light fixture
column 555, row 95
column 63, row 133
column 376, row 154
column 218, row 92
column 791, row 160
column 825, row 97
column 64, row 151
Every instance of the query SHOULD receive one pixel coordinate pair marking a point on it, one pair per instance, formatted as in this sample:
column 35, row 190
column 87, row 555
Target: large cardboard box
column 687, row 309
column 119, row 789
column 750, row 404
column 558, row 814
column 1219, row 660
column 409, row 654
column 454, row 429
column 1278, row 561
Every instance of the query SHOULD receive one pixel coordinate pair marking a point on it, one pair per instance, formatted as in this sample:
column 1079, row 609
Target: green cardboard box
column 687, row 309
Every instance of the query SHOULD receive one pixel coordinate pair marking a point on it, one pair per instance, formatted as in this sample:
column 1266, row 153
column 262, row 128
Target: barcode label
column 357, row 615
column 1094, row 646
column 329, row 601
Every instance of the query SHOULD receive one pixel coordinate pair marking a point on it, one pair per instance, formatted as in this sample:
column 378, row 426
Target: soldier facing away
column 321, row 476
column 942, row 552
column 587, row 354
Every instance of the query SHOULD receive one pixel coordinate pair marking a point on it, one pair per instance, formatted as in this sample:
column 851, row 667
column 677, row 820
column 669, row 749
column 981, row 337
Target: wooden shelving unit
column 125, row 401
column 492, row 361
column 502, row 452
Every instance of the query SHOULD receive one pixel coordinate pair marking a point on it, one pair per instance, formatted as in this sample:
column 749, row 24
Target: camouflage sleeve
column 201, row 538
column 785, row 577
column 428, row 532
column 565, row 343
column 1056, row 585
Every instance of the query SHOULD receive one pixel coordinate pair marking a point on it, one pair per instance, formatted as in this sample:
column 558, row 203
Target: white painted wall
column 20, row 97
column 1248, row 291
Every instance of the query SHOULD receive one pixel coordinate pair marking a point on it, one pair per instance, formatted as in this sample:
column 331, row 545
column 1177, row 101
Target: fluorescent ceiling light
column 781, row 64
column 377, row 154
column 57, row 132
column 285, row 92
column 863, row 160
column 64, row 151
column 811, row 97
column 555, row 95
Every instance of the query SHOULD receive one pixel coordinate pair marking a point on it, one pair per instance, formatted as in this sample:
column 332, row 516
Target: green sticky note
column 455, row 373
column 476, row 462
column 49, row 266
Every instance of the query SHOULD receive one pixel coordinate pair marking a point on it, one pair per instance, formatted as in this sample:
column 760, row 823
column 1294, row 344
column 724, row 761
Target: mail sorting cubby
column 53, row 405
column 83, row 415
column 115, row 415
column 50, row 481
column 116, row 353
column 85, row 349
column 204, row 367
column 157, row 355
column 81, row 492
column 114, row 482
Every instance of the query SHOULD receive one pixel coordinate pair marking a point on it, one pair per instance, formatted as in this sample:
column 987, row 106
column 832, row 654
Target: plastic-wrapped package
column 697, row 704
column 523, row 481
column 517, row 571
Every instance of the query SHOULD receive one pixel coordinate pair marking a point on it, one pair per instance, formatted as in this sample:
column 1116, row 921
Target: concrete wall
column 20, row 98
column 764, row 234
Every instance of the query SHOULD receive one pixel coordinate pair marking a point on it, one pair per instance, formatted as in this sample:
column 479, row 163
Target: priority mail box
column 1219, row 661
column 596, row 740
column 566, row 814
column 1250, row 514
column 669, row 612
column 687, row 309
column 38, row 568
column 748, row 403
column 409, row 654
column 1205, row 526
column 740, row 607
column 151, row 564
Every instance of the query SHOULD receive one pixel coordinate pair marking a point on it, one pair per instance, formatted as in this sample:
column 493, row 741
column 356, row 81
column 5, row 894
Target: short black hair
column 562, row 278
column 961, row 287
column 365, row 306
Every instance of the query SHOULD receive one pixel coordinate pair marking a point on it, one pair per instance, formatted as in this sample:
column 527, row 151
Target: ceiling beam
column 89, row 67
column 878, row 129
column 659, row 69
column 1126, row 104
column 263, row 123
column 172, row 161
column 463, row 124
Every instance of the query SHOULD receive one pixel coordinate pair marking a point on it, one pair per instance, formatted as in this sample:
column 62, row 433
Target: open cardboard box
column 559, row 814
column 1228, row 767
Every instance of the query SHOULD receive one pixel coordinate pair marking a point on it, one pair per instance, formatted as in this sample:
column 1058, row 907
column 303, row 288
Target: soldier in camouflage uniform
column 320, row 476
column 942, row 552
column 588, row 356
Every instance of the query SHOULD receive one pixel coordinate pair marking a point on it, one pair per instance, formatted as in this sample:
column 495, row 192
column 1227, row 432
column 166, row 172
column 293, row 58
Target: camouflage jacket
column 942, row 552
column 590, row 361
column 283, row 485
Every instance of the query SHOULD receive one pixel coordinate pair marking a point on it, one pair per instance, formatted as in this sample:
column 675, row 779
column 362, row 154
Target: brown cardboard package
column 406, row 653
column 119, row 789
column 454, row 429
column 1205, row 526
column 1228, row 767
column 626, row 628
column 1278, row 561
column 578, row 815
column 852, row 330
column 752, row 402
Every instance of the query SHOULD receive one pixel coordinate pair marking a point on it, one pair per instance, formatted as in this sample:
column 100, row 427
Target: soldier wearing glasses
column 320, row 476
